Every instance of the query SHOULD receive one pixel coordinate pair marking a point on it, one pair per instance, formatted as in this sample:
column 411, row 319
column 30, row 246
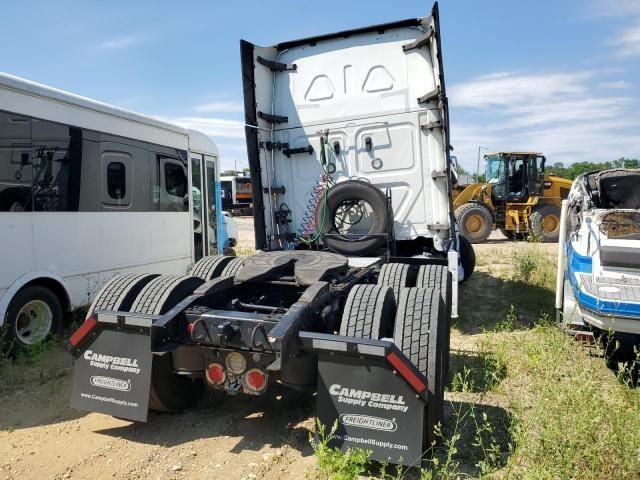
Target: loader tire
column 170, row 392
column 163, row 293
column 119, row 293
column 353, row 190
column 467, row 257
column 544, row 222
column 368, row 312
column 419, row 334
column 233, row 267
column 394, row 275
column 210, row 267
column 438, row 276
column 475, row 221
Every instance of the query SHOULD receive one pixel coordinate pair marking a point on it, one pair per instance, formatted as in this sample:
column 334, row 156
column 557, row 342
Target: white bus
column 88, row 190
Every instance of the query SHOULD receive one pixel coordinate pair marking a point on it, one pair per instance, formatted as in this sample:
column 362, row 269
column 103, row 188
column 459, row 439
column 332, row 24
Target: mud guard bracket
column 372, row 393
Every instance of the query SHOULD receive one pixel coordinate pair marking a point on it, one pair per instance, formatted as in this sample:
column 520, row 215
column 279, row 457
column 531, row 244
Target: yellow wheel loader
column 516, row 198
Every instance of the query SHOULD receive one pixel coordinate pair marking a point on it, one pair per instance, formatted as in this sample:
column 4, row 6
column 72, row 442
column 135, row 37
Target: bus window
column 175, row 180
column 116, row 180
column 173, row 185
column 15, row 163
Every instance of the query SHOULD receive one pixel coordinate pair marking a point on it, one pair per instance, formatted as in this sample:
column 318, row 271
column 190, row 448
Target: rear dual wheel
column 155, row 294
column 369, row 312
column 420, row 329
column 169, row 392
column 421, row 321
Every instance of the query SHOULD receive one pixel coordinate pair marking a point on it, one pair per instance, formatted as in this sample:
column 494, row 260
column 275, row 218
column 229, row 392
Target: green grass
column 574, row 419
column 39, row 363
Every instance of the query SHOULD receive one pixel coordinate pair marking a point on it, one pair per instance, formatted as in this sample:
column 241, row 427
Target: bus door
column 198, row 208
column 218, row 232
column 206, row 207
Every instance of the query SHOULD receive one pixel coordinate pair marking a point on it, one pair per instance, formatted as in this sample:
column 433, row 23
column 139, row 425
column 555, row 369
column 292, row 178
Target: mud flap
column 372, row 394
column 112, row 371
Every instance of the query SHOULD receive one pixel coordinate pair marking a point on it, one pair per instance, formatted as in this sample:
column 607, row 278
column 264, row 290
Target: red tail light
column 83, row 331
column 256, row 380
column 215, row 374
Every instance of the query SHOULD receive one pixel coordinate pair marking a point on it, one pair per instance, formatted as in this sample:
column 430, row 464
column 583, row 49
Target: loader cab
column 514, row 177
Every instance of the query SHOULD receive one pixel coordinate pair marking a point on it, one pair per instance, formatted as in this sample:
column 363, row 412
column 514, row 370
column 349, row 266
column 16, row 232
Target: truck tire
column 394, row 275
column 210, row 267
column 354, row 190
column 418, row 333
column 233, row 267
column 163, row 293
column 475, row 221
column 368, row 312
column 438, row 276
column 170, row 392
column 544, row 222
column 34, row 313
column 467, row 257
column 119, row 293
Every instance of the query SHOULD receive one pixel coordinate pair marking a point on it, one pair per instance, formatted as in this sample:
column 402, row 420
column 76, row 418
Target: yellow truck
column 516, row 198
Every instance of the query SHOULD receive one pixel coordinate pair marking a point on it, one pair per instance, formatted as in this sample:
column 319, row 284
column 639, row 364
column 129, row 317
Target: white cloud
column 513, row 88
column 568, row 116
column 224, row 106
column 617, row 84
column 627, row 43
column 615, row 8
column 121, row 42
column 214, row 127
column 228, row 135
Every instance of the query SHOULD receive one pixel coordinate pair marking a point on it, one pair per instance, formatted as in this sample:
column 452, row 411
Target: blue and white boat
column 598, row 283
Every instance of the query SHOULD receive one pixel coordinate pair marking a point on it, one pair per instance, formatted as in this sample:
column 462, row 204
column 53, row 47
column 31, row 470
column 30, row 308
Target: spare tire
column 355, row 193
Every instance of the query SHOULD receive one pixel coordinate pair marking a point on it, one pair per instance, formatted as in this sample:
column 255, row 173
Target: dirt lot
column 223, row 437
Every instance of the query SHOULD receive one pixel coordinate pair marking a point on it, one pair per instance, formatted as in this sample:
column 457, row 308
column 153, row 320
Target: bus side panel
column 97, row 245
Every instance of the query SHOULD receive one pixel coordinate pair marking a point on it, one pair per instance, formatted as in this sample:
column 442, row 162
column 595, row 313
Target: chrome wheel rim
column 34, row 322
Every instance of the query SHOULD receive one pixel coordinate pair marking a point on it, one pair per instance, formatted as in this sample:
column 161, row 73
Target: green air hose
column 326, row 178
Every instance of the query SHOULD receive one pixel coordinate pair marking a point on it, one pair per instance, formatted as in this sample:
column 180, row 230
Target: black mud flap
column 373, row 394
column 112, row 371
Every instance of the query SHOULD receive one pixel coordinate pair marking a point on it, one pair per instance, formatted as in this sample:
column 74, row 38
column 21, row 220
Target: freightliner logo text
column 367, row 421
column 109, row 362
column 362, row 398
column 111, row 383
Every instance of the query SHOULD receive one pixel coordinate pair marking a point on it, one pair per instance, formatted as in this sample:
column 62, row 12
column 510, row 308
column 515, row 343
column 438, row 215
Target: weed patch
column 574, row 419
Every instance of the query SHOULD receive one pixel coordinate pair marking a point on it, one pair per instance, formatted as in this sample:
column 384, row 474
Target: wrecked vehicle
column 598, row 281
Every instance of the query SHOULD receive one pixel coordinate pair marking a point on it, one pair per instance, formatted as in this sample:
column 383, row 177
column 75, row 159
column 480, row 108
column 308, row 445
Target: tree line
column 572, row 171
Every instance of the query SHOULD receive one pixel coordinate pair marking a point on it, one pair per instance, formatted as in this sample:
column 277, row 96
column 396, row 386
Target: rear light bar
column 82, row 331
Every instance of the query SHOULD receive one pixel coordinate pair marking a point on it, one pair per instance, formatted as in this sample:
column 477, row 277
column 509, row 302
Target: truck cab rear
column 356, row 282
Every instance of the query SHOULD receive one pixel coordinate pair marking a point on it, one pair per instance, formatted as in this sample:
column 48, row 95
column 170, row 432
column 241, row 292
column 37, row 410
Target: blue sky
column 560, row 77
